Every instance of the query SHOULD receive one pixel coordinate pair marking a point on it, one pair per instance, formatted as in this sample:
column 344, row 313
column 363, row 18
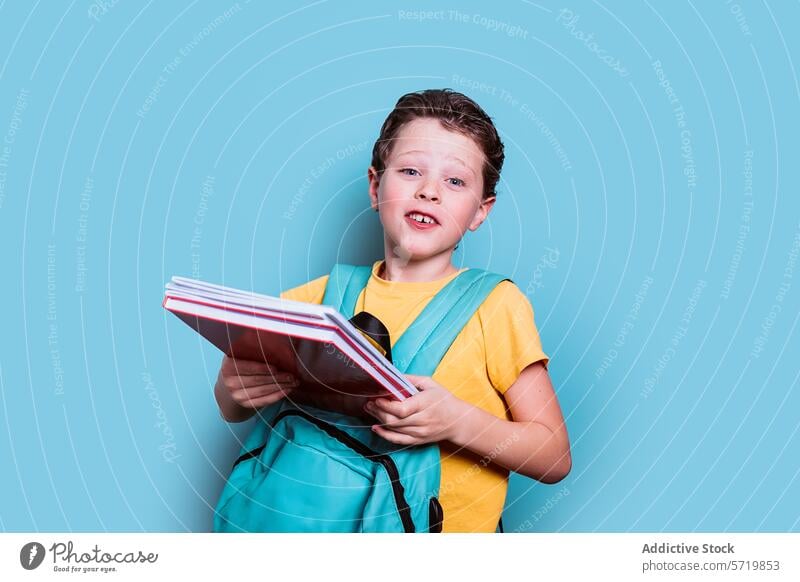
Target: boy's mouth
column 421, row 220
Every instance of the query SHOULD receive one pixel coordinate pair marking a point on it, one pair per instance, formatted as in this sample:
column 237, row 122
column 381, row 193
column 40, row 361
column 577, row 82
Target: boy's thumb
column 418, row 381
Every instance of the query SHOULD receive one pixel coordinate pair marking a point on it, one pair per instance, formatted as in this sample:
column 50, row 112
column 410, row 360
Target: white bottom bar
column 396, row 557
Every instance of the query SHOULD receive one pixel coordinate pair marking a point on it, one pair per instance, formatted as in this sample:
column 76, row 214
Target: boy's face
column 434, row 172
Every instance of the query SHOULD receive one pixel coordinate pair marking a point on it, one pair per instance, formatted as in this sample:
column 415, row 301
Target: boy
column 490, row 404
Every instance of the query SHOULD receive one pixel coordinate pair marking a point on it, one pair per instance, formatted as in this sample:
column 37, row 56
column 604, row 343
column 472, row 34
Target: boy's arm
column 535, row 443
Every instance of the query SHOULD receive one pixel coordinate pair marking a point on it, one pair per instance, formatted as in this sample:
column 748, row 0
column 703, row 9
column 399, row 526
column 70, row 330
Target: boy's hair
column 455, row 112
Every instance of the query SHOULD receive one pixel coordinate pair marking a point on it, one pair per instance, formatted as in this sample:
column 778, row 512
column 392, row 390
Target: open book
column 316, row 343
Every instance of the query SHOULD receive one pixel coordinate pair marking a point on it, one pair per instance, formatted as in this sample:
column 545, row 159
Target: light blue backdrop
column 649, row 208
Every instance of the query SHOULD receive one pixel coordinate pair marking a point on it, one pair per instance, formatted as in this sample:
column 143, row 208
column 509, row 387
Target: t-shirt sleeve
column 311, row 292
column 510, row 335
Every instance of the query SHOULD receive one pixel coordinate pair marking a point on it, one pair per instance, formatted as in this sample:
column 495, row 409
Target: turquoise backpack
column 313, row 470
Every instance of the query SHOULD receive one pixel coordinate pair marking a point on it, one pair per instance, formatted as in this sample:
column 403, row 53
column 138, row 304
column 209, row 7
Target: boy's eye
column 404, row 170
column 456, row 181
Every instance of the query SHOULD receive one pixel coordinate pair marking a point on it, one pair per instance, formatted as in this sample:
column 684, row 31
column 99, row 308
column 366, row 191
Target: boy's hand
column 427, row 417
column 254, row 384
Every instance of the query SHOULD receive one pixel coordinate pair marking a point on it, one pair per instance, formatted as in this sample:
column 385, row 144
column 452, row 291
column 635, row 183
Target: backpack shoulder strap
column 425, row 342
column 344, row 286
column 422, row 346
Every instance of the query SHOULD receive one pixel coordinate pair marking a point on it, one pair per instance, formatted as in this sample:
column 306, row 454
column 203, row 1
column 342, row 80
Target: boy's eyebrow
column 453, row 158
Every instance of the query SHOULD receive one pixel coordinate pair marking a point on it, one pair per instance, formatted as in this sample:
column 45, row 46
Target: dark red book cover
column 329, row 378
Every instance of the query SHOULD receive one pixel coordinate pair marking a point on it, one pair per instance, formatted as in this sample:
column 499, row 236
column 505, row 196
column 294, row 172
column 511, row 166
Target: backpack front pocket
column 311, row 476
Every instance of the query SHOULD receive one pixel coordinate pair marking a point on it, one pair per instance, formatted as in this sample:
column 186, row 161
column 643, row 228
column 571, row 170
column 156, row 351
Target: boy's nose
column 427, row 193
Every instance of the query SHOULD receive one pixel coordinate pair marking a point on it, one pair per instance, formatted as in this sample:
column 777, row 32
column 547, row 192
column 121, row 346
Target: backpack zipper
column 385, row 460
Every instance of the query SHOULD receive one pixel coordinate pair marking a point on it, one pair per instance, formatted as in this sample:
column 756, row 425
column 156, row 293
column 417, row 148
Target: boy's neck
column 397, row 269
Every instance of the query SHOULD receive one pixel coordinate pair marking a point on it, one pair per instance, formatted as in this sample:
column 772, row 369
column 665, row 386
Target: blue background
column 648, row 207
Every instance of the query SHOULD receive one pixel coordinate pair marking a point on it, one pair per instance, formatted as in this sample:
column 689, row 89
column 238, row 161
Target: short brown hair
column 455, row 112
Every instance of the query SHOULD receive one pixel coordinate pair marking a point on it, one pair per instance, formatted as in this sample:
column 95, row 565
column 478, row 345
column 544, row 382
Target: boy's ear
column 482, row 212
column 372, row 176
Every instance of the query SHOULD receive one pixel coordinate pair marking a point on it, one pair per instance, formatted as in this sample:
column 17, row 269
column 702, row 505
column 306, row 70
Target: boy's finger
column 241, row 366
column 380, row 415
column 402, row 424
column 394, row 437
column 278, row 378
column 269, row 399
column 398, row 409
column 266, row 389
column 251, row 367
column 236, row 382
column 421, row 382
column 247, row 398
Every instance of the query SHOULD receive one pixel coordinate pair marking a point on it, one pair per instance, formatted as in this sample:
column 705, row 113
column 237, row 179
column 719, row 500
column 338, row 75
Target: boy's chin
column 410, row 248
column 407, row 255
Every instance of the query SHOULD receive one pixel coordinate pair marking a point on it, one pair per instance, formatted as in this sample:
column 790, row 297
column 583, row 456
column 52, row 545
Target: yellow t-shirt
column 485, row 359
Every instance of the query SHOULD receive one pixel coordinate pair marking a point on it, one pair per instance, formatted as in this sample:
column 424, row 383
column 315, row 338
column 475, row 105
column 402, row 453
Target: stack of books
column 315, row 343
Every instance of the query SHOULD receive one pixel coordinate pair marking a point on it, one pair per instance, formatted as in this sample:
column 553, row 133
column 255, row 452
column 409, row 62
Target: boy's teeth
column 421, row 218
